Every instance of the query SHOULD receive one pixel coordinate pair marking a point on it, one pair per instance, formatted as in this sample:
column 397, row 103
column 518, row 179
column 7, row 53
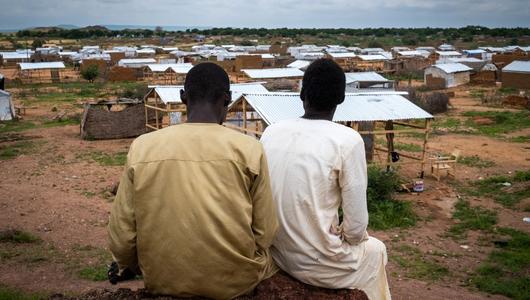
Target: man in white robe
column 317, row 167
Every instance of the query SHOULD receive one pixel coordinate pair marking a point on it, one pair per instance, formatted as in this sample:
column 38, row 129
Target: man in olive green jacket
column 194, row 211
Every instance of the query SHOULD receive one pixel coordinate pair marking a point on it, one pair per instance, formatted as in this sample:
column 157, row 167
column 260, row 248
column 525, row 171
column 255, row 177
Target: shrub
column 432, row 102
column 90, row 73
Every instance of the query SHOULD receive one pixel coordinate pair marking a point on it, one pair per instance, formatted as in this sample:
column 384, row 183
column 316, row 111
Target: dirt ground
column 58, row 193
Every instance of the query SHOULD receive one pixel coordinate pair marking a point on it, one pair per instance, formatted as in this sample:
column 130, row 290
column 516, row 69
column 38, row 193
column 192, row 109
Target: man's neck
column 203, row 115
column 319, row 115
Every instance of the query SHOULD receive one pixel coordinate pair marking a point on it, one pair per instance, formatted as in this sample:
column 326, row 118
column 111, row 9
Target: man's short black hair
column 206, row 81
column 324, row 85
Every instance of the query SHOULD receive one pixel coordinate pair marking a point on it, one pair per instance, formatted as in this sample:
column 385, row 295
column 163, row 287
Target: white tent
column 7, row 110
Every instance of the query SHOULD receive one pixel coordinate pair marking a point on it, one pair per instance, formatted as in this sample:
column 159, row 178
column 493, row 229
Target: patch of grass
column 417, row 265
column 471, row 218
column 495, row 187
column 18, row 236
column 475, row 161
column 451, row 124
column 520, row 139
column 62, row 122
column 9, row 293
column 113, row 159
column 477, row 93
column 507, row 90
column 97, row 269
column 408, row 147
column 384, row 211
column 505, row 272
column 16, row 149
column 95, row 273
column 15, row 126
column 505, row 122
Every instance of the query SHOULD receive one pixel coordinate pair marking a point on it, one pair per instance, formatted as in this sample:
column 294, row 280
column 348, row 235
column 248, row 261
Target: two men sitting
column 198, row 214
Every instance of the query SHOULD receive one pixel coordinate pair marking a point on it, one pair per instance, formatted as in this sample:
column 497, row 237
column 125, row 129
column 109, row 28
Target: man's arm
column 122, row 223
column 264, row 221
column 353, row 181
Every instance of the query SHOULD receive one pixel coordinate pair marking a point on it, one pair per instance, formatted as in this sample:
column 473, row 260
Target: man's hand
column 115, row 276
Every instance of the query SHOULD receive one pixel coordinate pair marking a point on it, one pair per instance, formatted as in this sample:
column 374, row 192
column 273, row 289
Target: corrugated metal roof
column 373, row 57
column 342, row 54
column 518, row 67
column 42, row 65
column 452, row 67
column 276, row 107
column 363, row 76
column 136, row 61
column 411, row 53
column 299, row 64
column 15, row 55
column 273, row 73
column 177, row 68
column 171, row 93
column 449, row 53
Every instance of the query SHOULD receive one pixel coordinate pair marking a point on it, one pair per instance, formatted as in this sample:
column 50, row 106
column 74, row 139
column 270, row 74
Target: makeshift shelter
column 166, row 73
column 117, row 119
column 367, row 80
column 388, row 114
column 136, row 62
column 370, row 62
column 487, row 74
column 299, row 64
column 441, row 76
column 7, row 109
column 346, row 60
column 516, row 75
column 41, row 71
column 165, row 103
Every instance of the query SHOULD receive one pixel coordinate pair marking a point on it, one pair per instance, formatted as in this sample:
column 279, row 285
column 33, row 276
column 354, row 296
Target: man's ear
column 184, row 97
column 341, row 99
column 302, row 94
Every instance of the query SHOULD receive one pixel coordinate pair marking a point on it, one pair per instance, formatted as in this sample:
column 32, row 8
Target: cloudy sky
column 267, row 13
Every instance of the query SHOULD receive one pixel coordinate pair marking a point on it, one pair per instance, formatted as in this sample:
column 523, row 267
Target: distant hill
column 67, row 26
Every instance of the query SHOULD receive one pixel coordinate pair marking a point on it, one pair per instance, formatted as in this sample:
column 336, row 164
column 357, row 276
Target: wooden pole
column 423, row 154
column 244, row 113
column 156, row 111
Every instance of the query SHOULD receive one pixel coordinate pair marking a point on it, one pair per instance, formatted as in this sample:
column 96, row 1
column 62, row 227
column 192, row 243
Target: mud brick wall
column 117, row 73
column 516, row 80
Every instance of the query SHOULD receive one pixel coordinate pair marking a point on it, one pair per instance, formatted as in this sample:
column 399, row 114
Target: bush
column 90, row 73
column 136, row 92
column 384, row 211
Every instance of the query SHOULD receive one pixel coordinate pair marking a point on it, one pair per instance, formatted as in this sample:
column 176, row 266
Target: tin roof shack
column 503, row 59
column 441, row 76
column 11, row 59
column 379, row 114
column 486, row 75
column 367, row 81
column 166, row 73
column 442, row 57
column 370, row 62
column 165, row 104
column 7, row 109
column 409, row 62
column 346, row 60
column 116, row 119
column 40, row 72
column 277, row 78
column 516, row 75
column 299, row 64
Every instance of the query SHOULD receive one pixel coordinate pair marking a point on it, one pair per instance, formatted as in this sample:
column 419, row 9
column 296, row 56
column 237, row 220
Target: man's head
column 206, row 92
column 323, row 86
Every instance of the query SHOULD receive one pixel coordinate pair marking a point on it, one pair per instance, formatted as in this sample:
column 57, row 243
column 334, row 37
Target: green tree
column 90, row 73
column 37, row 43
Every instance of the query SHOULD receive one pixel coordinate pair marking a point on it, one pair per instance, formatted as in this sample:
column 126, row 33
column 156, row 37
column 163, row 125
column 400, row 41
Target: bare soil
column 59, row 193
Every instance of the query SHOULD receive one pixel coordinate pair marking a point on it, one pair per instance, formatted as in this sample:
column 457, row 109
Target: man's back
column 202, row 209
column 314, row 164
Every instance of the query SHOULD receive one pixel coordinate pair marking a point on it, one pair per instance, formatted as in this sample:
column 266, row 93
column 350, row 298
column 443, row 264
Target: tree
column 37, row 43
column 90, row 73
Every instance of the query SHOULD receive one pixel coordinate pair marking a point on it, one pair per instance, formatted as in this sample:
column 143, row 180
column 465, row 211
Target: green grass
column 471, row 218
column 18, row 236
column 95, row 273
column 520, row 139
column 506, row 270
column 112, row 159
column 504, row 122
column 9, row 293
column 477, row 93
column 475, row 161
column 494, row 187
column 416, row 265
column 62, row 122
column 15, row 126
column 451, row 124
column 408, row 147
column 16, row 149
column 384, row 211
column 507, row 90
